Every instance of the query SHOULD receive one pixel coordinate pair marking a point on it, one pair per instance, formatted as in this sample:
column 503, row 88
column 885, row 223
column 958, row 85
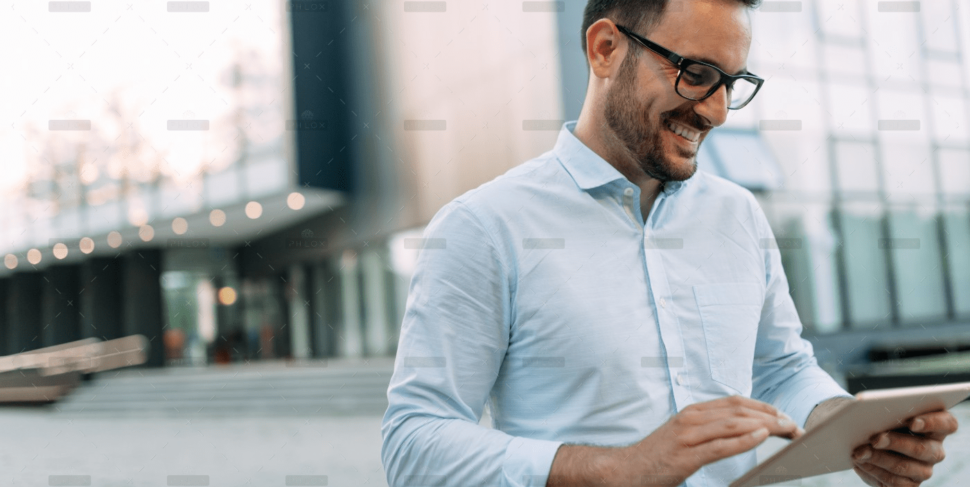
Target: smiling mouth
column 684, row 132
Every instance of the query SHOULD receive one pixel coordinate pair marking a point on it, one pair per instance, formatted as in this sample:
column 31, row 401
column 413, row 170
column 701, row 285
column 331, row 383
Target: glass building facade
column 857, row 147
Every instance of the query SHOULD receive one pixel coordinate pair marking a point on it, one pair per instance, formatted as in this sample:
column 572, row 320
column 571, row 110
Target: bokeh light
column 87, row 245
column 227, row 296
column 114, row 240
column 295, row 201
column 254, row 210
column 146, row 233
column 180, row 226
column 217, row 218
column 60, row 250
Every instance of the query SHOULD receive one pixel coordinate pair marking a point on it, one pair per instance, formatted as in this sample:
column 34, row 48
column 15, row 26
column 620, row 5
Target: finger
column 735, row 401
column 886, row 477
column 918, row 447
column 866, row 477
column 788, row 428
column 730, row 427
column 899, row 465
column 936, row 425
column 721, row 448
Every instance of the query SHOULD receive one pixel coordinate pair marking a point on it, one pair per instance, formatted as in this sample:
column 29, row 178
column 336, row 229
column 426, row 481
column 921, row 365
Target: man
column 626, row 318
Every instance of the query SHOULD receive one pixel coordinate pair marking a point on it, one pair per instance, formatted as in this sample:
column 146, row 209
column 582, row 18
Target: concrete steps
column 331, row 387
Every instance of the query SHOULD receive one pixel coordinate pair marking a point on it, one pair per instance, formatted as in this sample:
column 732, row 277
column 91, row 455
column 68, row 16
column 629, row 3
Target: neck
column 595, row 134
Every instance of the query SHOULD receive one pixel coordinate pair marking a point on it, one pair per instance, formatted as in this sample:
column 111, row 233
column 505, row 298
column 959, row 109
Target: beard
column 629, row 120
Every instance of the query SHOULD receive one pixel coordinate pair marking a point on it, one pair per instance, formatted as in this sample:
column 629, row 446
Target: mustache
column 689, row 119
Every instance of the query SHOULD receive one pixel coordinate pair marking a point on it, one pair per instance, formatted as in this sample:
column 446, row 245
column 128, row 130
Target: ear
column 604, row 48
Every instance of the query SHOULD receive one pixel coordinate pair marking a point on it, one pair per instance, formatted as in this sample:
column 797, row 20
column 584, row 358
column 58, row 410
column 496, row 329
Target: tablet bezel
column 947, row 395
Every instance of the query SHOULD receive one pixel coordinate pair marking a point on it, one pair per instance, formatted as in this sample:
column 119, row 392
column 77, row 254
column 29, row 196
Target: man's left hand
column 905, row 456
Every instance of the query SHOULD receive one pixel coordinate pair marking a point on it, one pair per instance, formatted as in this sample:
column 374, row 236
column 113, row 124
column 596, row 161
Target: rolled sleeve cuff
column 528, row 461
column 811, row 387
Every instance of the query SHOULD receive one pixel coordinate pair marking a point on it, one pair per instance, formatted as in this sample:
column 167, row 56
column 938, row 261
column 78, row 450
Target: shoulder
column 497, row 199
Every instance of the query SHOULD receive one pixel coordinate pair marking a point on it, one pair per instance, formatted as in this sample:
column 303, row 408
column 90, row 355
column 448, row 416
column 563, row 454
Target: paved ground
column 253, row 451
column 250, row 451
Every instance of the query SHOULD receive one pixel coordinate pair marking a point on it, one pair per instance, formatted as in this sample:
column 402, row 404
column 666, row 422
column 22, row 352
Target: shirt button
column 680, row 379
column 663, row 303
column 628, row 191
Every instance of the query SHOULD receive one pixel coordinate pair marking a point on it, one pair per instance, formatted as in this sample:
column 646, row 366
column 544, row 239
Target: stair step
column 265, row 388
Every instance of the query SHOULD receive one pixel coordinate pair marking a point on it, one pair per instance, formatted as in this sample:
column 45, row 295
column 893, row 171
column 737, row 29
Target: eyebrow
column 744, row 70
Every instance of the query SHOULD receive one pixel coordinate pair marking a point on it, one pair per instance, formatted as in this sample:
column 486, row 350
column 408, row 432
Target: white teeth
column 684, row 132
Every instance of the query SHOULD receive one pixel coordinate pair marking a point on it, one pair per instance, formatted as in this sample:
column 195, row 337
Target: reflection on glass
column 189, row 317
column 810, row 265
column 957, row 224
column 916, row 259
column 865, row 266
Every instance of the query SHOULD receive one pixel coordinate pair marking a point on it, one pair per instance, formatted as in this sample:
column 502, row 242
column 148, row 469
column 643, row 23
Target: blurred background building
column 247, row 182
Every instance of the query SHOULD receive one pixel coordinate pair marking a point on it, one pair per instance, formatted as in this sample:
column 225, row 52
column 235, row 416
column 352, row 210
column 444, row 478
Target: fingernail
column 785, row 423
column 865, row 455
column 759, row 432
column 918, row 425
column 783, row 415
column 882, row 441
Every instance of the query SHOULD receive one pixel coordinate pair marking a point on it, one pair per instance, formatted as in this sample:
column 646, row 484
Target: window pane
column 865, row 263
column 845, row 60
column 839, row 18
column 955, row 171
column 807, row 244
column 849, row 110
column 944, row 73
column 894, row 44
column 785, row 33
column 939, row 25
column 957, row 222
column 949, row 119
column 856, row 165
column 908, row 168
column 915, row 252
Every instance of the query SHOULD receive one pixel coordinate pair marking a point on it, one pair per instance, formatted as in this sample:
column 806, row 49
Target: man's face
column 642, row 108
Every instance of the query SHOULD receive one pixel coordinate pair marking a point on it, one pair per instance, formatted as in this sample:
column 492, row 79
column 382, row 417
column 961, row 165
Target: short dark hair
column 639, row 15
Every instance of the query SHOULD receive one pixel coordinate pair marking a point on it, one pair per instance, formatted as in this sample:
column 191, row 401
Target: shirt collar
column 587, row 168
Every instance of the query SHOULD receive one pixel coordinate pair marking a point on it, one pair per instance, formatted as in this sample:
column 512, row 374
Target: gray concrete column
column 59, row 315
column 281, row 334
column 375, row 302
column 142, row 300
column 100, row 298
column 325, row 309
column 23, row 312
column 300, row 343
column 350, row 335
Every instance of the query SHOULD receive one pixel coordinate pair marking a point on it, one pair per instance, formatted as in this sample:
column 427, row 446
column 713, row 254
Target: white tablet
column 828, row 446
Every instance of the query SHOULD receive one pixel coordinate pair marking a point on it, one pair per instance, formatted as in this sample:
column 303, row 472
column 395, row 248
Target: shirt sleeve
column 453, row 339
column 786, row 373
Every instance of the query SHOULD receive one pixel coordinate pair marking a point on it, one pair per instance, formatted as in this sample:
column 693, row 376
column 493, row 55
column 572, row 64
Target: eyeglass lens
column 697, row 80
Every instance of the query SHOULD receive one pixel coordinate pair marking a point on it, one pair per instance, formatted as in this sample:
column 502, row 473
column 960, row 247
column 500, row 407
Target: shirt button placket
column 628, row 204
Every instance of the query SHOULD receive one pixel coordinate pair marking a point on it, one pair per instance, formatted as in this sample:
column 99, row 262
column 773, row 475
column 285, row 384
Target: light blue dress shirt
column 546, row 294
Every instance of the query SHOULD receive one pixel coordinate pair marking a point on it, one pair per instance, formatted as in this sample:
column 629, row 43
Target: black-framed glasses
column 697, row 80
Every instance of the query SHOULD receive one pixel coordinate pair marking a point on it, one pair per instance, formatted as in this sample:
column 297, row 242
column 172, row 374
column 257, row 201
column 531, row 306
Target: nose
column 714, row 108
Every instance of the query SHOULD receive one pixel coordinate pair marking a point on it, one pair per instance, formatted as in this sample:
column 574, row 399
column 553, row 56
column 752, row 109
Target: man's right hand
column 700, row 434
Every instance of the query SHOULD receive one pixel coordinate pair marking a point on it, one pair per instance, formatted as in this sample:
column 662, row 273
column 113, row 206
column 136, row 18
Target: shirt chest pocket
column 730, row 314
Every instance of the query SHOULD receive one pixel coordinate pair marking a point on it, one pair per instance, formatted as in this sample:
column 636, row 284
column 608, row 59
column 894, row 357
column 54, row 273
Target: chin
column 680, row 168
